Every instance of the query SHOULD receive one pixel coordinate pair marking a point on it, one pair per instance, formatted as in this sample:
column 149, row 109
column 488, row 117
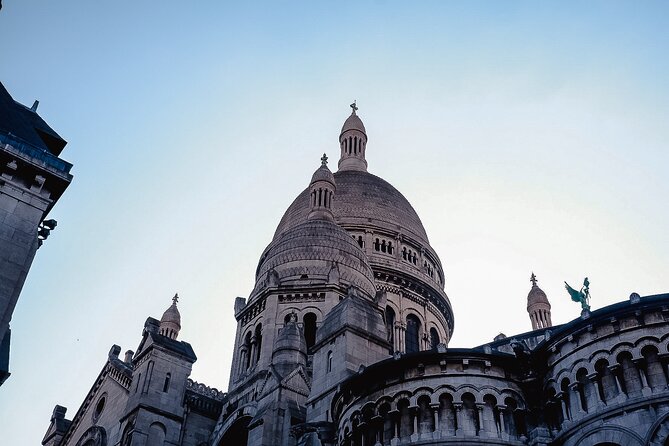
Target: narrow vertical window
column 412, row 334
column 166, row 386
column 329, row 367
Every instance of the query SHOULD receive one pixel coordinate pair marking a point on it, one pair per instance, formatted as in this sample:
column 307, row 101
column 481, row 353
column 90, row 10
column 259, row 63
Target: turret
column 538, row 306
column 290, row 348
column 170, row 323
column 321, row 192
column 353, row 143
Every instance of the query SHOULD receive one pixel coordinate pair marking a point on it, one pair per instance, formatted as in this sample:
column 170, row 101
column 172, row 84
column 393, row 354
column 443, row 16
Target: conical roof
column 536, row 294
column 353, row 122
column 172, row 314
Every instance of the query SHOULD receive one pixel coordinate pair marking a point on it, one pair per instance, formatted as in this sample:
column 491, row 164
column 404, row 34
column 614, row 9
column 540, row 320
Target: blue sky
column 529, row 137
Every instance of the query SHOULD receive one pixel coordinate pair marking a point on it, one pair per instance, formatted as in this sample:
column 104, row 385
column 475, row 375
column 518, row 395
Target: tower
column 538, row 306
column 160, row 370
column 353, row 143
column 32, row 179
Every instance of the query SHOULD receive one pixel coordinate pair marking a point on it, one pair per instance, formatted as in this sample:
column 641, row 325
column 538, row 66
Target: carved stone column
column 395, row 420
column 413, row 413
column 596, row 399
column 575, row 401
column 645, row 388
column 563, row 406
column 501, row 408
column 459, row 421
column 435, row 413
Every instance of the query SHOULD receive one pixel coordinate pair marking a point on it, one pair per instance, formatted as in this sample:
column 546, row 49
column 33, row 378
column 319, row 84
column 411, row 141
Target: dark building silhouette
column 32, row 179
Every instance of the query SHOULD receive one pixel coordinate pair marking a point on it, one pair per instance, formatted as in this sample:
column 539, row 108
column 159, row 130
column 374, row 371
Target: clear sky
column 529, row 136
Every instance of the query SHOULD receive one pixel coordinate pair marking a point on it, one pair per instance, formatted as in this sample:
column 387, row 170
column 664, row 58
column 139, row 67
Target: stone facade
column 32, row 179
column 344, row 341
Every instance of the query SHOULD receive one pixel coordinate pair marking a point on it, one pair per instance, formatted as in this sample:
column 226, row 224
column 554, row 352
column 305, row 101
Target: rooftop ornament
column 582, row 296
column 354, row 107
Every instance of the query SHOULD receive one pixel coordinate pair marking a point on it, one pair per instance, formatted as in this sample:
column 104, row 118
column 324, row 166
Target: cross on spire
column 354, row 107
column 175, row 299
column 533, row 279
column 324, row 160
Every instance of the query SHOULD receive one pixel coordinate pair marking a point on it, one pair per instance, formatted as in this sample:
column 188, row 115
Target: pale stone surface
column 341, row 343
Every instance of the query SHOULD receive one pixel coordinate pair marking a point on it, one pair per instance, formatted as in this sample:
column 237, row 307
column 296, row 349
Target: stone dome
column 535, row 296
column 323, row 173
column 362, row 199
column 353, row 122
column 314, row 251
column 172, row 315
column 170, row 323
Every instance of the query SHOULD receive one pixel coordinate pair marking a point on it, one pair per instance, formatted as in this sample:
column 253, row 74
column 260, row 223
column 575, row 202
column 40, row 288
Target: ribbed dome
column 353, row 122
column 362, row 199
column 172, row 315
column 323, row 173
column 316, row 251
column 535, row 296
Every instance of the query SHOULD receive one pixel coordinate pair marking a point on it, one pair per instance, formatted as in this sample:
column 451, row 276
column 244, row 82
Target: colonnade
column 608, row 385
column 402, row 423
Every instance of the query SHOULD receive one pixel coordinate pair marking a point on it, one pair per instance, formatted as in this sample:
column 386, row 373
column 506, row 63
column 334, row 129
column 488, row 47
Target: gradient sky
column 528, row 136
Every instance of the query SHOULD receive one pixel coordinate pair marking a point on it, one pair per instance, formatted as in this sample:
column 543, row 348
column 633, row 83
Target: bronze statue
column 582, row 296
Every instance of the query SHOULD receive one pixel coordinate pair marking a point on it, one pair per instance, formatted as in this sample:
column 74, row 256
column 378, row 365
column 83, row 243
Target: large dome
column 362, row 199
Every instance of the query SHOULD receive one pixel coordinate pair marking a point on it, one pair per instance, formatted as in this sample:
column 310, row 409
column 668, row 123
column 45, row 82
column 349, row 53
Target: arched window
column 247, row 344
column 166, row 386
column 390, row 328
column 434, row 338
column 329, row 364
column 412, row 336
column 310, row 329
column 258, row 333
column 156, row 435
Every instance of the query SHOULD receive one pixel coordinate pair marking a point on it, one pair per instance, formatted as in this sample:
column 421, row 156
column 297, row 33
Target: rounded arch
column 157, row 434
column 605, row 435
column 237, row 434
column 94, row 436
column 412, row 341
column 309, row 320
column 658, row 434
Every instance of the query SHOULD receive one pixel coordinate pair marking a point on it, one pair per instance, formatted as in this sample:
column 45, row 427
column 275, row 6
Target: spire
column 321, row 192
column 538, row 307
column 353, row 143
column 170, row 323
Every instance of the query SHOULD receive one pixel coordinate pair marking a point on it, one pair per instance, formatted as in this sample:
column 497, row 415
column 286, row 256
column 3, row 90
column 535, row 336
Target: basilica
column 344, row 341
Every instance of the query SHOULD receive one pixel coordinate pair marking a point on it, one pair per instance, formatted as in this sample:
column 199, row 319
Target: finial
column 533, row 279
column 324, row 160
column 175, row 299
column 354, row 107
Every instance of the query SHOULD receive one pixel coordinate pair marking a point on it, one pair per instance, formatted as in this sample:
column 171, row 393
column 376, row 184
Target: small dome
column 170, row 323
column 172, row 315
column 290, row 348
column 323, row 173
column 312, row 251
column 290, row 337
column 536, row 295
column 353, row 122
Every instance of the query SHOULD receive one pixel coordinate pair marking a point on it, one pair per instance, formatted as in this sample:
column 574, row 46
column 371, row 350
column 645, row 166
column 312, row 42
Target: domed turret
column 321, row 192
column 170, row 323
column 290, row 347
column 353, row 143
column 538, row 306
